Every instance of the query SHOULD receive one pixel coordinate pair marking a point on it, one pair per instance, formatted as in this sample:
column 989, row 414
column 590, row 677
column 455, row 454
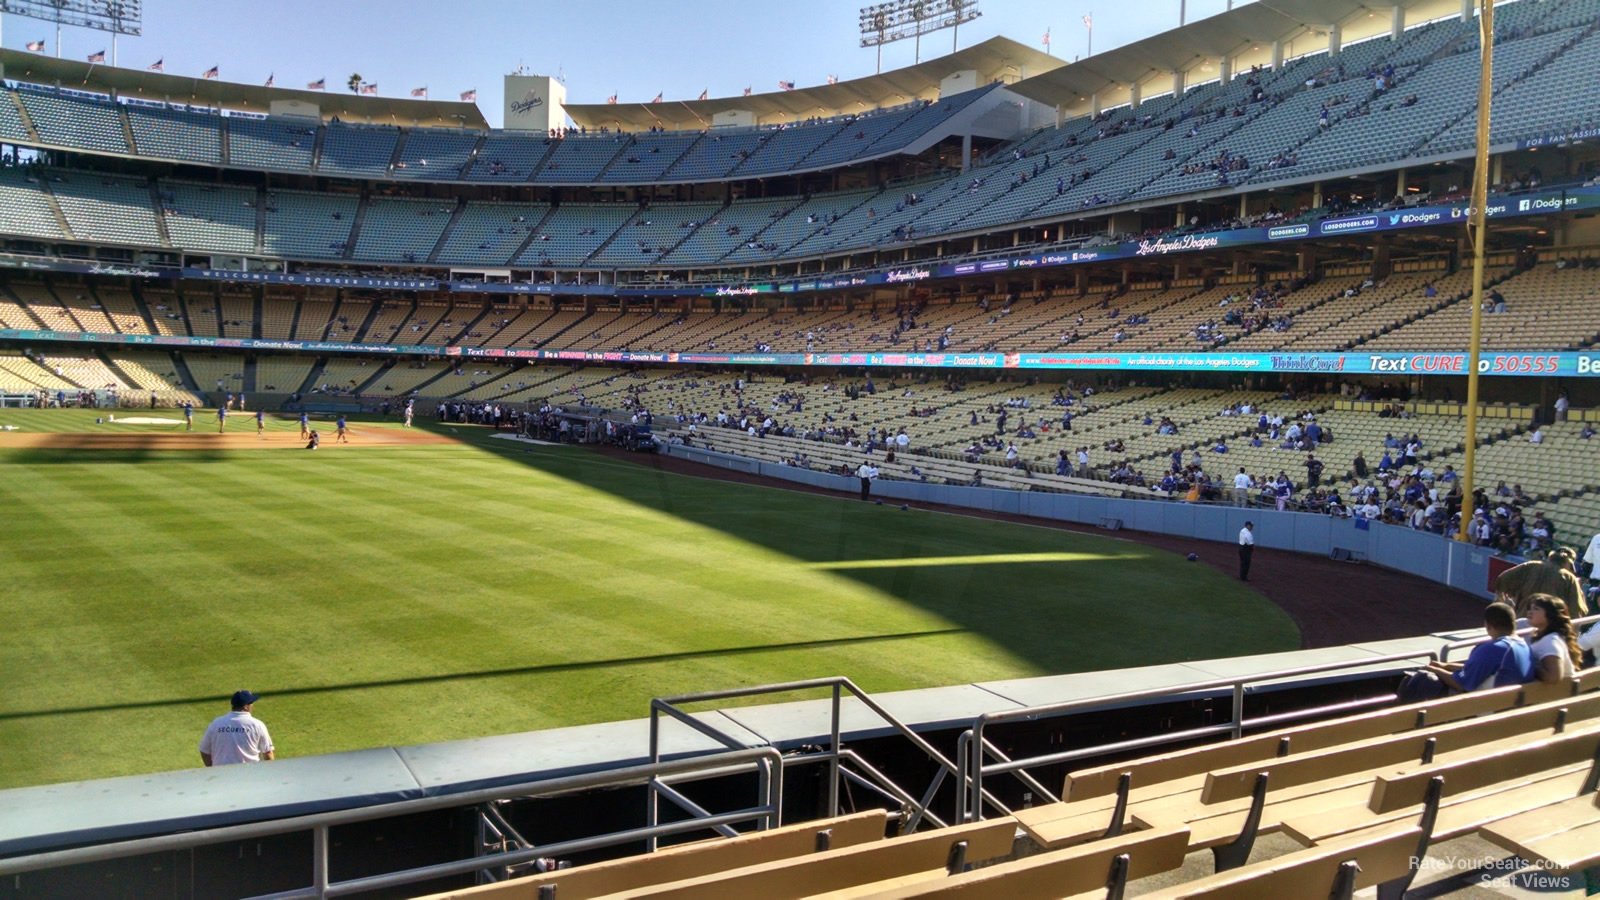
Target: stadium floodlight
column 896, row 20
column 115, row 16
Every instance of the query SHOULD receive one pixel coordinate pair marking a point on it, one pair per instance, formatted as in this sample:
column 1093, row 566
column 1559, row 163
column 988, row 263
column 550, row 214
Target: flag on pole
column 420, row 92
column 318, row 85
column 612, row 99
column 705, row 94
column 211, row 73
column 1047, row 39
column 36, row 46
column 159, row 65
column 1088, row 21
column 785, row 85
column 833, row 79
column 99, row 57
column 747, row 92
column 469, row 96
column 369, row 88
column 272, row 78
column 658, row 97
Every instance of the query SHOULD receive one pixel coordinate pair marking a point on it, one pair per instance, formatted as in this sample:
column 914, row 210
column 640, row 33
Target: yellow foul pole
column 1477, row 227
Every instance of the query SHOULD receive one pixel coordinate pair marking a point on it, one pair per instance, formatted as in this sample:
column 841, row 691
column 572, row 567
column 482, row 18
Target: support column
column 1244, row 206
column 1397, row 22
column 966, row 152
column 1497, row 169
column 1306, row 259
column 1316, row 195
column 1094, row 104
column 1134, row 95
column 1226, row 68
column 1400, row 183
column 1335, row 40
column 1177, row 84
column 1466, row 10
column 1382, row 250
column 1277, row 55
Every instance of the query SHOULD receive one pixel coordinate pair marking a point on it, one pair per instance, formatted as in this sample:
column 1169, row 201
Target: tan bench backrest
column 689, row 860
column 1356, row 756
column 823, row 872
column 1102, row 780
column 1058, row 873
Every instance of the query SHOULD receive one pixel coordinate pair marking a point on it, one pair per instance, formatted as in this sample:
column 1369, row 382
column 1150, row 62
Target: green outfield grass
column 405, row 595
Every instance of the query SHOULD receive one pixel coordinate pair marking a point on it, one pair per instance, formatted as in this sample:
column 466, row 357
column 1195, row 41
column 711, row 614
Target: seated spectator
column 1555, row 646
column 1537, row 437
column 1502, row 660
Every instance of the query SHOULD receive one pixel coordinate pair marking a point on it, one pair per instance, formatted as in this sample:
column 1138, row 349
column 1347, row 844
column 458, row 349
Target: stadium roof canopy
column 1245, row 34
column 996, row 59
column 160, row 87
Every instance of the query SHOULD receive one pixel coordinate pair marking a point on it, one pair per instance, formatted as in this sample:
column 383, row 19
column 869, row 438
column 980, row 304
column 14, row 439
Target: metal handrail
column 972, row 745
column 834, row 754
column 321, row 823
column 1444, row 652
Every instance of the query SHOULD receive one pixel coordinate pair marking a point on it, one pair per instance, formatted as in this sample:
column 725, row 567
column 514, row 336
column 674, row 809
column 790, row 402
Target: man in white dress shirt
column 1247, row 548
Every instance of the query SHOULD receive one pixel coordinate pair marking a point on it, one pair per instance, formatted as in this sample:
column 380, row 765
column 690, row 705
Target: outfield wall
column 1461, row 566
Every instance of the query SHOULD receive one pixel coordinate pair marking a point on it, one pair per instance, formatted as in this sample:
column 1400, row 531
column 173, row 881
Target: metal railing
column 766, row 761
column 834, row 755
column 974, row 749
column 1444, row 652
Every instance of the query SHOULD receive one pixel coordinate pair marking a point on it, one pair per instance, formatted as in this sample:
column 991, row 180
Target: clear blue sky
column 634, row 48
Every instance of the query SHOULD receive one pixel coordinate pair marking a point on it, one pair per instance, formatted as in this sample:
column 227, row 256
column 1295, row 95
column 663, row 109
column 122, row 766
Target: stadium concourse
column 1219, row 274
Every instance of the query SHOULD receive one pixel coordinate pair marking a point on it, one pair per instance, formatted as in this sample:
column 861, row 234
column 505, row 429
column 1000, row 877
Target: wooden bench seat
column 1085, row 867
column 1572, row 748
column 1092, row 793
column 836, row 870
column 1312, row 872
column 1371, row 753
column 1458, row 815
column 1191, row 806
column 1102, row 780
column 1563, row 836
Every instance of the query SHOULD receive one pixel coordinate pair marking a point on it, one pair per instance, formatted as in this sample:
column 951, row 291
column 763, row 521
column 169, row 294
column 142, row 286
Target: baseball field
column 433, row 584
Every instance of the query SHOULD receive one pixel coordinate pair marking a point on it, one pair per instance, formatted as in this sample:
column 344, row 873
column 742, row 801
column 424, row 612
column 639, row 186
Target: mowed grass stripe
column 406, row 595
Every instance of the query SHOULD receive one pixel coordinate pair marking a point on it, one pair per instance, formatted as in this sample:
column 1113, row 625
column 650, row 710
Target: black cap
column 241, row 699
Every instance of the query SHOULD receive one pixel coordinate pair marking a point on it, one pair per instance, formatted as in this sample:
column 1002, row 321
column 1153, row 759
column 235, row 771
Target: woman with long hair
column 1555, row 647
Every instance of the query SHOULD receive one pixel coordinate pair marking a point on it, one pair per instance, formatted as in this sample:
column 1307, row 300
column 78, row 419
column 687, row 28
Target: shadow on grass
column 1060, row 601
column 578, row 666
column 36, row 456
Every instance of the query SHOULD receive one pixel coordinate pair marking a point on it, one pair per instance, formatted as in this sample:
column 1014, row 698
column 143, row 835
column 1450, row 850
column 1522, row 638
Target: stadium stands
column 276, row 144
column 75, row 120
column 358, row 151
column 401, row 230
column 210, row 217
column 169, row 134
column 435, row 155
column 109, row 208
column 26, row 206
column 307, row 225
